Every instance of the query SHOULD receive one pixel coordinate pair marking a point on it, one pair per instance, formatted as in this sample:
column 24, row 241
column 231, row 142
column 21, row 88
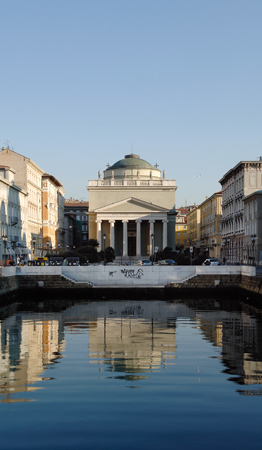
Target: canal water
column 131, row 375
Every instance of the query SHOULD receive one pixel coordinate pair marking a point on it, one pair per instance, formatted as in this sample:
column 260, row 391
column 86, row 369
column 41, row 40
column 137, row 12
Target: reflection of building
column 128, row 338
column 132, row 345
column 28, row 176
column 239, row 182
column 28, row 343
column 53, row 217
column 133, row 206
column 13, row 216
column 238, row 336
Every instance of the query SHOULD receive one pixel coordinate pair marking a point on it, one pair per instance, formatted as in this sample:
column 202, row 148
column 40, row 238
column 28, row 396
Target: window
column 184, row 234
column 178, row 234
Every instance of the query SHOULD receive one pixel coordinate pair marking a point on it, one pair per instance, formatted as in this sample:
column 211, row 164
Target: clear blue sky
column 84, row 82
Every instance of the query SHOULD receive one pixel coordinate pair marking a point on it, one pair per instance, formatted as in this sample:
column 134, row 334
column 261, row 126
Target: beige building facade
column 193, row 229
column 28, row 176
column 204, row 226
column 53, row 217
column 210, row 225
column 238, row 183
column 132, row 208
column 13, row 217
column 253, row 228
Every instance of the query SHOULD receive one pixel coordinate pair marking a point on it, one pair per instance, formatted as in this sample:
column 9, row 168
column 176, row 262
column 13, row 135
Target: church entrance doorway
column 131, row 238
column 131, row 246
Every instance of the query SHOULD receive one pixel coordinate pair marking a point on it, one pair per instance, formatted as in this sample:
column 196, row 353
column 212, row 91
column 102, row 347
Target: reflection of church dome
column 132, row 167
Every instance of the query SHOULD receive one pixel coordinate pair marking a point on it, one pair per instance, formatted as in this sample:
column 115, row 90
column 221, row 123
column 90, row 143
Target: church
column 132, row 208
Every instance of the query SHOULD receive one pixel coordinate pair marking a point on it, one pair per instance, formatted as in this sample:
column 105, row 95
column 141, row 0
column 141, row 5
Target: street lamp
column 253, row 240
column 4, row 239
column 33, row 243
column 153, row 250
column 104, row 239
column 47, row 243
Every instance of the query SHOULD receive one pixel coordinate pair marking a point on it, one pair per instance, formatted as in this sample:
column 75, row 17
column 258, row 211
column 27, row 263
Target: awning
column 8, row 251
column 25, row 251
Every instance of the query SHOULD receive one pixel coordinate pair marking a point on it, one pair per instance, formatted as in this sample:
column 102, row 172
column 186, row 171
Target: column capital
column 112, row 221
column 165, row 221
column 125, row 221
column 138, row 220
column 98, row 221
column 151, row 221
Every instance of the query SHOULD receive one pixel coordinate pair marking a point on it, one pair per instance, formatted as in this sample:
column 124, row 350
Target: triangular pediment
column 132, row 205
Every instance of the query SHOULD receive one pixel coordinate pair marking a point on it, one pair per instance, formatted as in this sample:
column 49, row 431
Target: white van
column 211, row 262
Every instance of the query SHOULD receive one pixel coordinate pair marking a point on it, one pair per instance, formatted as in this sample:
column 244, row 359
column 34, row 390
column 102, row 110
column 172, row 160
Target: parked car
column 23, row 263
column 167, row 262
column 211, row 262
column 56, row 261
column 143, row 262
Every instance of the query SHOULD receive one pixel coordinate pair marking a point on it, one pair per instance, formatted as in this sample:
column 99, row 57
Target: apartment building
column 193, row 229
column 13, row 218
column 181, row 227
column 210, row 225
column 238, row 183
column 76, row 222
column 53, row 214
column 252, row 249
column 28, row 176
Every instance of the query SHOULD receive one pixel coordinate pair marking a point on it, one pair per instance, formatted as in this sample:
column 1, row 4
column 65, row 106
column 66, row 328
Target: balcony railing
column 127, row 182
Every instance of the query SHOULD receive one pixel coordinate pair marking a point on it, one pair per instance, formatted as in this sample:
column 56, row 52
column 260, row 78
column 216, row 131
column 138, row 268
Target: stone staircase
column 76, row 282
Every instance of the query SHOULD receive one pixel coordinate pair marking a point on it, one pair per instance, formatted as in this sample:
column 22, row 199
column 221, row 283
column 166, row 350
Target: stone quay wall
column 91, row 279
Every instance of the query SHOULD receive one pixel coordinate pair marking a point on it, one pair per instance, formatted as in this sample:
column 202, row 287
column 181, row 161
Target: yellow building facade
column 210, row 225
column 193, row 228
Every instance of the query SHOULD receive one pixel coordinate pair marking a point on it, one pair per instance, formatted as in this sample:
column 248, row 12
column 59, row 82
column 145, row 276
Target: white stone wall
column 137, row 276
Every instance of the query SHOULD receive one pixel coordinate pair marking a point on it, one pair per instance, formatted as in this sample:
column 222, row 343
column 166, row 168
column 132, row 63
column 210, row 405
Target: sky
column 178, row 82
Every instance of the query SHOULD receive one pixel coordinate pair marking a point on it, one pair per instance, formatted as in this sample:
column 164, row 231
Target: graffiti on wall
column 131, row 273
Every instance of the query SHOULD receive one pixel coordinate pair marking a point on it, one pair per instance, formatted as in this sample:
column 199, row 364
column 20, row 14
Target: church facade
column 132, row 208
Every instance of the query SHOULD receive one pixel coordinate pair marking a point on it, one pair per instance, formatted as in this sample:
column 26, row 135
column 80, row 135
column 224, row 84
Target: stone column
column 125, row 242
column 112, row 233
column 98, row 232
column 164, row 233
column 138, row 237
column 151, row 230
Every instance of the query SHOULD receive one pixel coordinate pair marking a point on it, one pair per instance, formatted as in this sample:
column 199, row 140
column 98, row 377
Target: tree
column 109, row 254
column 93, row 243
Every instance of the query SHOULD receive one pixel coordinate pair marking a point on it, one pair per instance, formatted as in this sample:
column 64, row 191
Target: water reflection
column 128, row 340
column 29, row 342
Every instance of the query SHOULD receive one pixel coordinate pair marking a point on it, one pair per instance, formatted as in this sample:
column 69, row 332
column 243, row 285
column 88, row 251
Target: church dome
column 131, row 161
column 132, row 167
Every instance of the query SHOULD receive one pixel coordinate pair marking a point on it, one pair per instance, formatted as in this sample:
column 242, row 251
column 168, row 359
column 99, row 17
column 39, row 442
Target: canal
column 131, row 375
